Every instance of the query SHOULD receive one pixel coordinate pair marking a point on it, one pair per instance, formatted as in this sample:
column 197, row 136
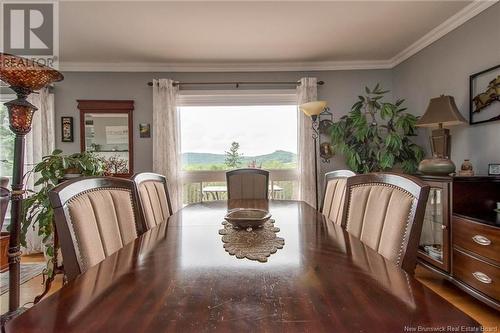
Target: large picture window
column 217, row 138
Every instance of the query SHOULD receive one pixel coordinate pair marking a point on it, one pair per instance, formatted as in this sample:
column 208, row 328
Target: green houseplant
column 376, row 135
column 50, row 171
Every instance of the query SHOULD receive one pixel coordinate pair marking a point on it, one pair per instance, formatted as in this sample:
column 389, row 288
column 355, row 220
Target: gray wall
column 444, row 68
column 441, row 68
column 341, row 90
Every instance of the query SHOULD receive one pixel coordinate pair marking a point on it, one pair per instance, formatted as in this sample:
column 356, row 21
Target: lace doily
column 257, row 244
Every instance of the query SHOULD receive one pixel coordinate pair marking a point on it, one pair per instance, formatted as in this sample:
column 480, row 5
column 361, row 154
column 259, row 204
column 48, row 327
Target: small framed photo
column 145, row 130
column 67, row 129
column 494, row 169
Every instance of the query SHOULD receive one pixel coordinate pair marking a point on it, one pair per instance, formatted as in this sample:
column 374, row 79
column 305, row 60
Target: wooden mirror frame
column 109, row 106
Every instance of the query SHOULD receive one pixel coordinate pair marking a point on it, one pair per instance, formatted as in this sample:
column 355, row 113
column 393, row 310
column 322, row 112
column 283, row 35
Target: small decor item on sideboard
column 466, row 170
column 494, row 169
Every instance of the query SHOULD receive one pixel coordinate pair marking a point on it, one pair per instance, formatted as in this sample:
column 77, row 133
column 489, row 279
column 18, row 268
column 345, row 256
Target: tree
column 233, row 158
column 375, row 135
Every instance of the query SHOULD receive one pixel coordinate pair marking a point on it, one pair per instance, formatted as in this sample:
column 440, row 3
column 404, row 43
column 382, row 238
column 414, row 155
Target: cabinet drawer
column 475, row 237
column 477, row 274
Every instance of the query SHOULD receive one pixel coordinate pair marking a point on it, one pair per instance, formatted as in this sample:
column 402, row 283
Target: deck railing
column 284, row 184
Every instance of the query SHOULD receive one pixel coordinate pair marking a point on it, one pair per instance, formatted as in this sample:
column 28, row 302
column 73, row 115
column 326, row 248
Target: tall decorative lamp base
column 313, row 110
column 24, row 76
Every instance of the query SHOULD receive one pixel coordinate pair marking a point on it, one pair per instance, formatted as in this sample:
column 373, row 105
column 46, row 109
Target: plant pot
column 4, row 248
column 71, row 173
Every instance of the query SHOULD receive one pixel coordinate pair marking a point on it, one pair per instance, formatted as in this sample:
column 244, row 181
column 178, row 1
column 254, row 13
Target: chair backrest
column 247, row 184
column 385, row 211
column 333, row 198
column 4, row 203
column 154, row 198
column 95, row 217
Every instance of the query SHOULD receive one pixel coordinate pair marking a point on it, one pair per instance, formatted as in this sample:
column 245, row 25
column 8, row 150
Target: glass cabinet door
column 434, row 240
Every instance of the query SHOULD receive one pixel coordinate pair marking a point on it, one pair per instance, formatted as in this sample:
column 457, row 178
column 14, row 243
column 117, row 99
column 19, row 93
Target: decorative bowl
column 246, row 218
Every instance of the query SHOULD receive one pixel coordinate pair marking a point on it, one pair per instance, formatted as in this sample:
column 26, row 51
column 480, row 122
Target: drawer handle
column 481, row 240
column 481, row 277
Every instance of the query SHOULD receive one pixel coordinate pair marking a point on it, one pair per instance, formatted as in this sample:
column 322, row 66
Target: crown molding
column 224, row 67
column 468, row 12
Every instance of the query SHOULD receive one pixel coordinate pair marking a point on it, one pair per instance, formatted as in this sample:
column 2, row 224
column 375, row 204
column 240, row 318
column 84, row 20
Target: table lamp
column 313, row 110
column 442, row 111
column 24, row 76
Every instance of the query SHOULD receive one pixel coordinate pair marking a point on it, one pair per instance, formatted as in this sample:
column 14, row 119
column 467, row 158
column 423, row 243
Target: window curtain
column 39, row 142
column 307, row 91
column 166, row 137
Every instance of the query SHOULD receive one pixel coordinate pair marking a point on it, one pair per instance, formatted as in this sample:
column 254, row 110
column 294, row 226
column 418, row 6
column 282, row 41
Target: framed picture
column 145, row 130
column 67, row 129
column 494, row 169
column 484, row 95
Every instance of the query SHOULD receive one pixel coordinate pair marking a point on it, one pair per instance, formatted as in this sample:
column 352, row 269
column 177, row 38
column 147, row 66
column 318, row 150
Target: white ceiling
column 160, row 34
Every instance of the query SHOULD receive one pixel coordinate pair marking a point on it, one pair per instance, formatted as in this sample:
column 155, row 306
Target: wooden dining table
column 177, row 277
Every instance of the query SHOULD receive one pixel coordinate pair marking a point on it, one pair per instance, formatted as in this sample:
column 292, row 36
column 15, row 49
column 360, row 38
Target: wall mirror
column 106, row 128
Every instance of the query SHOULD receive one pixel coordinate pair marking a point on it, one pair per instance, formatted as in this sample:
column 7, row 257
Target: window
column 6, row 146
column 242, row 133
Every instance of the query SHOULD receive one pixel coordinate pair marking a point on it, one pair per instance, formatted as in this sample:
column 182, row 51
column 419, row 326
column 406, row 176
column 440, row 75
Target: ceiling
column 242, row 34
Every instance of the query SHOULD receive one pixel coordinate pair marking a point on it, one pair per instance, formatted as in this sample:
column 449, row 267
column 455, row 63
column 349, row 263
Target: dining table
column 179, row 277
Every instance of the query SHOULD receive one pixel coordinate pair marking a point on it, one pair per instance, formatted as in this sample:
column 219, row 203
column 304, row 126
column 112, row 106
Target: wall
column 444, row 67
column 341, row 90
column 441, row 68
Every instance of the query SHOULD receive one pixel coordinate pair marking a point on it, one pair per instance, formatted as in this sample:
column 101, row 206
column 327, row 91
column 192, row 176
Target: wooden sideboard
column 461, row 234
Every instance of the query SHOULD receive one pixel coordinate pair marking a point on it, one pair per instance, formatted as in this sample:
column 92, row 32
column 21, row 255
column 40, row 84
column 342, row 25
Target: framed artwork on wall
column 494, row 169
column 484, row 96
column 67, row 129
column 145, row 130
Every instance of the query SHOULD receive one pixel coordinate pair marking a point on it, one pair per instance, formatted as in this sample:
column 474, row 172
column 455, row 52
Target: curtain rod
column 238, row 83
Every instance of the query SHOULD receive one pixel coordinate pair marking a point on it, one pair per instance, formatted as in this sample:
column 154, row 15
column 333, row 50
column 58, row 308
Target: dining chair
column 385, row 211
column 247, row 184
column 154, row 199
column 334, row 194
column 95, row 217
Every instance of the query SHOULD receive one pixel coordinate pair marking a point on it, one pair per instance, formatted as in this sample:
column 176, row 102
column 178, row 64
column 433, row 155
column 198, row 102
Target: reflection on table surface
column 178, row 277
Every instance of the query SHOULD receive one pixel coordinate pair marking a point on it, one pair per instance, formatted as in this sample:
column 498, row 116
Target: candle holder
column 24, row 76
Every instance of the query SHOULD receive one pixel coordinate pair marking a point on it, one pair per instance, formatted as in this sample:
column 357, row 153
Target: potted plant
column 52, row 170
column 376, row 135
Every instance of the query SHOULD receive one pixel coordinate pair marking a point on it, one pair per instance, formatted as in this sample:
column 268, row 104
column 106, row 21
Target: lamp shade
column 313, row 108
column 26, row 73
column 443, row 111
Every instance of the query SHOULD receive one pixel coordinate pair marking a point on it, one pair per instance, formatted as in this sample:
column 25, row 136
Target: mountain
column 207, row 158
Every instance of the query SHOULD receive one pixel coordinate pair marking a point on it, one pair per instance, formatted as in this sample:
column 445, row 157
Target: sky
column 258, row 129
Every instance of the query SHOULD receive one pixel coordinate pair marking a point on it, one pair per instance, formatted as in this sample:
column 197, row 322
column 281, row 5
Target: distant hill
column 207, row 158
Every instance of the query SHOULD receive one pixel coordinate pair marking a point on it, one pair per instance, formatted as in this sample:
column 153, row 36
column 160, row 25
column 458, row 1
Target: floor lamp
column 24, row 76
column 313, row 110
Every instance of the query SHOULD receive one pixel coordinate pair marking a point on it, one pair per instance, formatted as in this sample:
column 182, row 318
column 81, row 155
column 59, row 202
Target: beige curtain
column 166, row 137
column 39, row 142
column 307, row 91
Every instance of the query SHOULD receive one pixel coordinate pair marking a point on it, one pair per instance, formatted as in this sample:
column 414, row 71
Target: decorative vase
column 436, row 166
column 466, row 169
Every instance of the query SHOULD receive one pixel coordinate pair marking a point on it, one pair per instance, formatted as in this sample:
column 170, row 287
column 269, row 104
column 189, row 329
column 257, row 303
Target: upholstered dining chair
column 95, row 217
column 154, row 199
column 334, row 194
column 247, row 184
column 385, row 211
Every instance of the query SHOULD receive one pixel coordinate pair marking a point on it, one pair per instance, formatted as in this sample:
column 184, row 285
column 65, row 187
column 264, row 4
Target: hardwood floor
column 485, row 315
